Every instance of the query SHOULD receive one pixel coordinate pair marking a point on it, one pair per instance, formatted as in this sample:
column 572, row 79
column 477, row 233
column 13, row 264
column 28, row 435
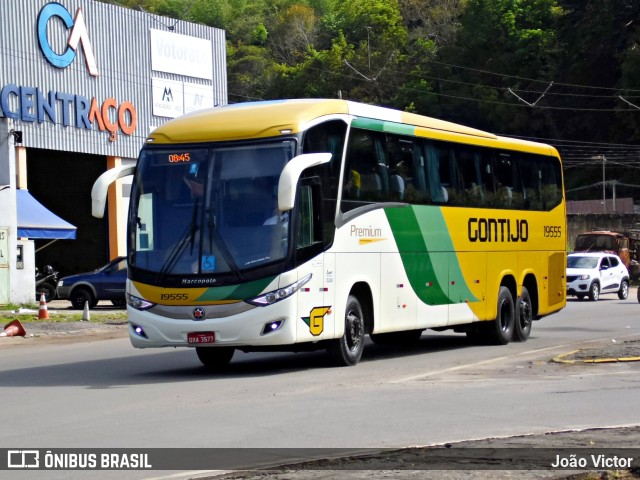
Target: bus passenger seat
column 397, row 187
column 371, row 186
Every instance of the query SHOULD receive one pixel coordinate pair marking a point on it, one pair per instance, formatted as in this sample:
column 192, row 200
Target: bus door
column 315, row 305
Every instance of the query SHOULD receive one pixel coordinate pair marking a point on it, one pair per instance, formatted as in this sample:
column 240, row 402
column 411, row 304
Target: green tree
column 374, row 43
column 293, row 33
column 515, row 38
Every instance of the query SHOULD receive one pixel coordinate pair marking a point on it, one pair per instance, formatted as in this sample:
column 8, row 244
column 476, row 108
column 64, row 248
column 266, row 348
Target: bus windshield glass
column 208, row 210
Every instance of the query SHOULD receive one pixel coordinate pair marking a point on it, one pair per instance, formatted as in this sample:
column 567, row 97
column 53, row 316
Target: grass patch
column 117, row 316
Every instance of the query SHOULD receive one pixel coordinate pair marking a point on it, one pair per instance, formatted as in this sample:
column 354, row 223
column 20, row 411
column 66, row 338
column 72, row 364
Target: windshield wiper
column 214, row 236
column 187, row 238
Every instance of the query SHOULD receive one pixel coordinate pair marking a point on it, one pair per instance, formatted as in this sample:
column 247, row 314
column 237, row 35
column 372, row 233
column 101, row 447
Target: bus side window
column 469, row 164
column 327, row 137
column 366, row 176
column 508, row 188
column 541, row 182
column 550, row 181
column 309, row 225
column 437, row 174
column 458, row 175
column 406, row 170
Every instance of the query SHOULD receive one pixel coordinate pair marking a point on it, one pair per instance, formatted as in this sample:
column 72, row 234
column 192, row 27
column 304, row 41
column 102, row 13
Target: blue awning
column 36, row 221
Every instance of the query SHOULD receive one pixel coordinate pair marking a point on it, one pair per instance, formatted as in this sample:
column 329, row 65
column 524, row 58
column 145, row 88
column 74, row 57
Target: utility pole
column 604, row 192
column 613, row 188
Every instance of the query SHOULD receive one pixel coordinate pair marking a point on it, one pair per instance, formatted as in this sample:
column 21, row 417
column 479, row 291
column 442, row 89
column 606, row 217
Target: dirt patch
column 456, row 458
column 51, row 331
column 610, row 351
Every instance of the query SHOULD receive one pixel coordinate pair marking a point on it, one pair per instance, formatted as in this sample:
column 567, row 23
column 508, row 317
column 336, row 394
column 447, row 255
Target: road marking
column 190, row 474
column 498, row 359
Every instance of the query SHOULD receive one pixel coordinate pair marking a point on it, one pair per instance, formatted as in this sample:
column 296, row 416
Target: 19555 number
column 552, row 231
column 174, row 296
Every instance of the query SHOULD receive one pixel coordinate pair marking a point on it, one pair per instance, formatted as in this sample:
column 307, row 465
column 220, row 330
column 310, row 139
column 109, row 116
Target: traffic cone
column 43, row 313
column 13, row 329
column 85, row 312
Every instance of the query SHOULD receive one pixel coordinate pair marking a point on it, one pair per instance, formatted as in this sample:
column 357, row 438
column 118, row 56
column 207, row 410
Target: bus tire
column 215, row 358
column 347, row 350
column 500, row 330
column 524, row 317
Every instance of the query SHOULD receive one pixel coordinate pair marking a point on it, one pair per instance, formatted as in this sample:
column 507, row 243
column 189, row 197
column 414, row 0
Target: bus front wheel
column 347, row 350
column 215, row 358
column 501, row 329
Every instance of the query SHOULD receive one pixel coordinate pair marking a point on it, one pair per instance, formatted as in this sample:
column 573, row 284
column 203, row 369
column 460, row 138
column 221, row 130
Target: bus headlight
column 138, row 303
column 277, row 295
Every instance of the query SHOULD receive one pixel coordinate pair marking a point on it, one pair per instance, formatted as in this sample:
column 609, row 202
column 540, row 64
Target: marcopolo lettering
column 78, row 35
column 497, row 230
column 31, row 105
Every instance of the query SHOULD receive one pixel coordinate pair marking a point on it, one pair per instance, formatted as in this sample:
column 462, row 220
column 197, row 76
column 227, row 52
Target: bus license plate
column 200, row 338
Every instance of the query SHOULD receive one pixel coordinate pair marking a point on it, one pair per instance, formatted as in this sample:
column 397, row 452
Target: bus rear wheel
column 215, row 358
column 500, row 330
column 347, row 350
column 524, row 317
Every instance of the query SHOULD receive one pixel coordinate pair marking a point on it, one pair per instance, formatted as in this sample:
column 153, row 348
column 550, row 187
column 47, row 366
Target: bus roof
column 263, row 119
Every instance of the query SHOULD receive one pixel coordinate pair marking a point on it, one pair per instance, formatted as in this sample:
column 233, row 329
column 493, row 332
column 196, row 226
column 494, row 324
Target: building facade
column 82, row 84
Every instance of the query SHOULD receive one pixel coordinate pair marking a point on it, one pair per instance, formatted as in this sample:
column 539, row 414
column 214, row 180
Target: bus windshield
column 208, row 210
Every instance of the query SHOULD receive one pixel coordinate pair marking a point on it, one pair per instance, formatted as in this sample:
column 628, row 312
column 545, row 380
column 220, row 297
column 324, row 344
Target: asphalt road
column 89, row 392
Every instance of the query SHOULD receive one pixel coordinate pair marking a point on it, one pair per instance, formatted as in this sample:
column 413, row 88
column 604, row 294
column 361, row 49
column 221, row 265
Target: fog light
column 271, row 327
column 137, row 329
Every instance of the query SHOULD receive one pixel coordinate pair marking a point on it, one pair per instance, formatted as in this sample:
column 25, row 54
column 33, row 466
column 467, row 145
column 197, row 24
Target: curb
column 562, row 359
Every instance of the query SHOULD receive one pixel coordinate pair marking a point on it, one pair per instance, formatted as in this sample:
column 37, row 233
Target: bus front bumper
column 259, row 326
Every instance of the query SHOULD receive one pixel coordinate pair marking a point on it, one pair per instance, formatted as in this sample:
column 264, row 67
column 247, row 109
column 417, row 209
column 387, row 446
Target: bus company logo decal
column 315, row 320
column 497, row 230
column 78, row 36
column 366, row 235
column 198, row 313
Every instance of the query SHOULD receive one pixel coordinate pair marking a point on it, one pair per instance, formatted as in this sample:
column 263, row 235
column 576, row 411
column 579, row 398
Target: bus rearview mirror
column 101, row 187
column 291, row 174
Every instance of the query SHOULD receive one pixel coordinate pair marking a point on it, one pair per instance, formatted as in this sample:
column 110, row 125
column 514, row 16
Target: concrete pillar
column 17, row 286
column 21, row 167
column 117, row 218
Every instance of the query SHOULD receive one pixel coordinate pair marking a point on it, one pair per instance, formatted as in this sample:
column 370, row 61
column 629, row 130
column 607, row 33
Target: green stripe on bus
column 236, row 292
column 382, row 126
column 427, row 254
column 436, row 232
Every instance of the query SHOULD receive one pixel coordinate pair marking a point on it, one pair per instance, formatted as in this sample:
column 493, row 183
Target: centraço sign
column 32, row 104
column 77, row 35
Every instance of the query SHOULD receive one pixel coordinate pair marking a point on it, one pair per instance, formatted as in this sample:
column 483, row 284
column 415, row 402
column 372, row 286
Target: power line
column 533, row 79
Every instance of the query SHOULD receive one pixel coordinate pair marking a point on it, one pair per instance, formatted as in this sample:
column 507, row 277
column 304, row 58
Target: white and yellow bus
column 308, row 224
